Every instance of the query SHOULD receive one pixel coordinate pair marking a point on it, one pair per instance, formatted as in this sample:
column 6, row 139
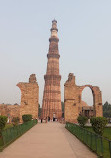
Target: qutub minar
column 51, row 105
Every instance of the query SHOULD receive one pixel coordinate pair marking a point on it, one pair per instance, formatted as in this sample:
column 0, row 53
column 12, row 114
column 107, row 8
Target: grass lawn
column 98, row 144
column 8, row 126
column 107, row 135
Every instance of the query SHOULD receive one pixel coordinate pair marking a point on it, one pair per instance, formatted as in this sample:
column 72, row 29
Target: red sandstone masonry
column 52, row 94
column 73, row 102
column 29, row 97
column 10, row 111
column 29, row 101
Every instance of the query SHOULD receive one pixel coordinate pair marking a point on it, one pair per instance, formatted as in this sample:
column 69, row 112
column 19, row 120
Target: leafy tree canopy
column 107, row 110
column 62, row 103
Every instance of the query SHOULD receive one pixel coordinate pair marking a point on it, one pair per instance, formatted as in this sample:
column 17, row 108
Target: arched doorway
column 87, row 97
column 73, row 99
column 87, row 101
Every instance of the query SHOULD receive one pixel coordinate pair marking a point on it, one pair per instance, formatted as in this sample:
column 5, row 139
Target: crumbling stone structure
column 29, row 101
column 10, row 111
column 29, row 97
column 51, row 106
column 73, row 102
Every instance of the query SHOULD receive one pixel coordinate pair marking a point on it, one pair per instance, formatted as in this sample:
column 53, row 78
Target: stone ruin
column 74, row 106
column 10, row 111
column 51, row 106
column 73, row 102
column 29, row 101
column 29, row 97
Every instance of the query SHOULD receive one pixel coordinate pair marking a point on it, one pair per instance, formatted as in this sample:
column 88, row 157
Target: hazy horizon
column 84, row 31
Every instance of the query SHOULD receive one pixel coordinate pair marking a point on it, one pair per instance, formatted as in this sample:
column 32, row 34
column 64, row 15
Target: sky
column 84, row 44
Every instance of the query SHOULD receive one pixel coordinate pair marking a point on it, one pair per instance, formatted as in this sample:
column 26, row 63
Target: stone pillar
column 29, row 97
column 98, row 108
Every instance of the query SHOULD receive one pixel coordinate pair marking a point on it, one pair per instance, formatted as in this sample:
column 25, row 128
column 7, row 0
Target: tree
column 39, row 111
column 62, row 103
column 3, row 121
column 82, row 120
column 98, row 124
column 107, row 110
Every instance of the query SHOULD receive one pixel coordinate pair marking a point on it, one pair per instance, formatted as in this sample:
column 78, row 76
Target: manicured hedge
column 26, row 117
column 3, row 121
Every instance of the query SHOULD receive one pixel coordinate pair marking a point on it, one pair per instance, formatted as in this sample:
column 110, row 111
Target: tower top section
column 54, row 29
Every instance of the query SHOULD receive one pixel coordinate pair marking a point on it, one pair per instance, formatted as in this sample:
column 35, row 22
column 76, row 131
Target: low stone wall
column 10, row 111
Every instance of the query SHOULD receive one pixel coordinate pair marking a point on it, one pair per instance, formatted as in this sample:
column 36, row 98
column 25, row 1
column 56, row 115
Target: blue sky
column 85, row 44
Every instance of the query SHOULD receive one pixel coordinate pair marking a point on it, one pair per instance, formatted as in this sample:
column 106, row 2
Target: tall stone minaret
column 51, row 105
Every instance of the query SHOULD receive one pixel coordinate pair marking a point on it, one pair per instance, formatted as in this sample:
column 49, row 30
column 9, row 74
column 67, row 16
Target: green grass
column 8, row 126
column 92, row 140
column 107, row 135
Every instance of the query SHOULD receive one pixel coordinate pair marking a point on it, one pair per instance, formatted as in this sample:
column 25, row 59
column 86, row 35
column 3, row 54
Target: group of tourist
column 47, row 119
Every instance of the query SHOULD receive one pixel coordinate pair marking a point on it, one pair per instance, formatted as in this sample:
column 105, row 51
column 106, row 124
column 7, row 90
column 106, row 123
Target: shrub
column 82, row 120
column 98, row 124
column 3, row 121
column 26, row 117
column 15, row 121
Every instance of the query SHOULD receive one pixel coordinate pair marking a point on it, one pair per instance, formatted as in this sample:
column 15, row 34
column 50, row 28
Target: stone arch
column 97, row 99
column 87, row 96
column 72, row 99
column 91, row 88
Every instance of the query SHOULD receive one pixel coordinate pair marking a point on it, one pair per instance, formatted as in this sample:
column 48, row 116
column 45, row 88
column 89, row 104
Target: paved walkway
column 49, row 140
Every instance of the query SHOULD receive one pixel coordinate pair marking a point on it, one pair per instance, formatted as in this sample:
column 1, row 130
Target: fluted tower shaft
column 51, row 105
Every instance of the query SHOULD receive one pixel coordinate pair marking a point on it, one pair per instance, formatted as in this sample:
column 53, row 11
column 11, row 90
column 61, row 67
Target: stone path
column 47, row 140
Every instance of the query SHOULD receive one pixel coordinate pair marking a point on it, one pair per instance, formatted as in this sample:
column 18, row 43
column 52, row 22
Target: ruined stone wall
column 29, row 97
column 10, row 111
column 29, row 101
column 73, row 102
